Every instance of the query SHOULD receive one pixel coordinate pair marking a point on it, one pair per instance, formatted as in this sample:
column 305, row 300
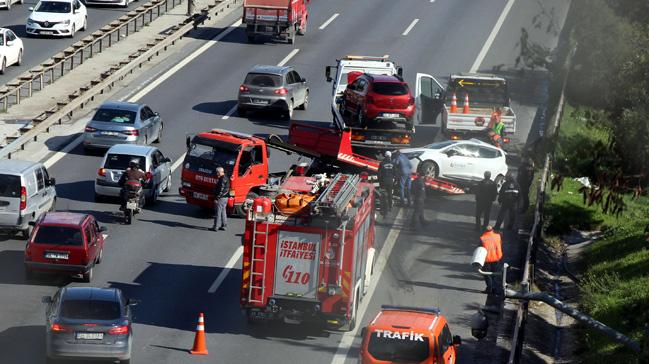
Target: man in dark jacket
column 221, row 194
column 524, row 178
column 508, row 198
column 485, row 194
column 404, row 172
column 386, row 183
column 418, row 195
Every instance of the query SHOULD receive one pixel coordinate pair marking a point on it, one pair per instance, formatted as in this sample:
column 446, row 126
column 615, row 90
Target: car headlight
column 30, row 22
column 66, row 22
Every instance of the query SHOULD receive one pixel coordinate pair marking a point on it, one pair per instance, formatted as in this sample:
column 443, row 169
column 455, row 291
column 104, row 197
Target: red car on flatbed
column 64, row 242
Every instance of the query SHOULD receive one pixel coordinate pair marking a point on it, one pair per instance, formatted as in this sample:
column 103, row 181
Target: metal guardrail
column 107, row 79
column 65, row 61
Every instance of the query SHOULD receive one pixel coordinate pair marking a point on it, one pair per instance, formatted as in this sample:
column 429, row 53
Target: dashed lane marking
column 324, row 25
column 226, row 270
column 492, row 36
column 288, row 58
column 409, row 28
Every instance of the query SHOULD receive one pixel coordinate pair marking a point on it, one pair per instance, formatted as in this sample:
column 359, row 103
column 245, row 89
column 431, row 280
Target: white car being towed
column 11, row 49
column 57, row 18
column 459, row 160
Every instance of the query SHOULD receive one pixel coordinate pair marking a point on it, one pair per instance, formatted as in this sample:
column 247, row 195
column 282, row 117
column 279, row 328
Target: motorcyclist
column 131, row 178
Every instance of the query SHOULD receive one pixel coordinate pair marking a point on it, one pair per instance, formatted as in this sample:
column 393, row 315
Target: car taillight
column 411, row 101
column 23, row 197
column 131, row 132
column 119, row 330
column 101, row 172
column 60, row 328
column 148, row 176
column 244, row 88
column 90, row 129
column 281, row 91
column 369, row 100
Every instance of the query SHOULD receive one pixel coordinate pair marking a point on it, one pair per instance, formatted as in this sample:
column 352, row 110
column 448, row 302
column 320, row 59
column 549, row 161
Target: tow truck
column 275, row 18
column 308, row 251
column 386, row 135
column 485, row 92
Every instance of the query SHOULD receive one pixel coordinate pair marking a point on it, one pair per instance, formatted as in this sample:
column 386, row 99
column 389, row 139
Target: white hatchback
column 11, row 49
column 57, row 18
column 464, row 160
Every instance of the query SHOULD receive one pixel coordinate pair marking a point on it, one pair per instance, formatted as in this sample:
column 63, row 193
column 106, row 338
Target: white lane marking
column 492, row 36
column 228, row 267
column 185, row 61
column 229, row 113
column 178, row 162
column 348, row 338
column 324, row 25
column 288, row 58
column 409, row 28
column 432, row 1
column 63, row 152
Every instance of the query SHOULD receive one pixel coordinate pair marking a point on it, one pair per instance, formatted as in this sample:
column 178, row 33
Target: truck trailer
column 275, row 19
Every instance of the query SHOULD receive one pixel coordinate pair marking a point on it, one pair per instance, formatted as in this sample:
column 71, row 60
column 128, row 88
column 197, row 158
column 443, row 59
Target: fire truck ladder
column 333, row 201
column 258, row 254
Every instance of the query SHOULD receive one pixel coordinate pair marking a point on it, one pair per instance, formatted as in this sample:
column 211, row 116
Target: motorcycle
column 132, row 193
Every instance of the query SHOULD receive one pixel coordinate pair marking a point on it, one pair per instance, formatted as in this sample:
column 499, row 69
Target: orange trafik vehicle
column 400, row 334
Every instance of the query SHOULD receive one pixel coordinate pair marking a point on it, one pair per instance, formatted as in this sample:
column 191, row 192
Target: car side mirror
column 132, row 302
column 31, row 8
column 32, row 223
column 51, row 182
column 103, row 229
column 457, row 340
column 46, row 299
column 188, row 141
column 10, row 42
column 328, row 73
column 400, row 71
column 303, row 80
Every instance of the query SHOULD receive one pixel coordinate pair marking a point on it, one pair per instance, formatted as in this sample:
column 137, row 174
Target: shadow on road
column 23, row 344
column 12, row 271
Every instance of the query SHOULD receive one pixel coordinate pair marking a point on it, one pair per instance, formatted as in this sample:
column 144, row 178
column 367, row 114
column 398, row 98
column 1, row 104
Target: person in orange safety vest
column 492, row 241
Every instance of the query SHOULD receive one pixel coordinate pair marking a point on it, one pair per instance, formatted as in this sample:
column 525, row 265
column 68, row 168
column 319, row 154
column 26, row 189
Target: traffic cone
column 454, row 103
column 465, row 108
column 199, row 340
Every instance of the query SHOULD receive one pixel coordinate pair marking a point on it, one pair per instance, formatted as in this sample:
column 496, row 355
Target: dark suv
column 378, row 98
column 273, row 87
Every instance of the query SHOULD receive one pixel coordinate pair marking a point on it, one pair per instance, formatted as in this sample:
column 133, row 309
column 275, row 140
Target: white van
column 26, row 192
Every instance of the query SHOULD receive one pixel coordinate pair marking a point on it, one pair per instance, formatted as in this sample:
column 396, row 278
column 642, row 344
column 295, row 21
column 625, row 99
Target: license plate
column 90, row 336
column 391, row 115
column 45, row 32
column 131, row 205
column 378, row 137
column 259, row 101
column 200, row 196
column 50, row 255
column 376, row 142
column 109, row 133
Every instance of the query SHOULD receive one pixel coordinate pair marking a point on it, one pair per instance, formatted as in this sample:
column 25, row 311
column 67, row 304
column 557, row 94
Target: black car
column 88, row 323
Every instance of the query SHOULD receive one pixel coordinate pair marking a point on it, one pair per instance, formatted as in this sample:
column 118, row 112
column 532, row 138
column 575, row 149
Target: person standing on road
column 491, row 241
column 404, row 172
column 221, row 193
column 386, row 183
column 485, row 194
column 508, row 198
column 418, row 194
column 524, row 178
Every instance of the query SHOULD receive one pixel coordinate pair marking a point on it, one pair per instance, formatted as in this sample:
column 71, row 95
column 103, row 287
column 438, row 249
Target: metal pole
column 190, row 7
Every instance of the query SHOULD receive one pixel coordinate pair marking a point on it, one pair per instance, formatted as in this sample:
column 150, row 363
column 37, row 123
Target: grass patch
column 615, row 288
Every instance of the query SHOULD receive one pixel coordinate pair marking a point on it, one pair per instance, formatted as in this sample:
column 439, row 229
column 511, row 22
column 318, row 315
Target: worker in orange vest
column 491, row 241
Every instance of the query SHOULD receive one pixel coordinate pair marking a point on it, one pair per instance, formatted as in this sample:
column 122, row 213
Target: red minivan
column 64, row 242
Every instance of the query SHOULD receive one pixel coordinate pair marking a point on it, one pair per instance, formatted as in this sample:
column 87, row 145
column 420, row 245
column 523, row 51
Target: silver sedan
column 122, row 123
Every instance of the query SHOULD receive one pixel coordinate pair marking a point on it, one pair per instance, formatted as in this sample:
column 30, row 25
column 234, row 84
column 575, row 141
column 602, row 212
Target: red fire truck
column 275, row 18
column 309, row 251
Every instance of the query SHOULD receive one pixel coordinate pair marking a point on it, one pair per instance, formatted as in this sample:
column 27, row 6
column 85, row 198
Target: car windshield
column 115, row 116
column 9, row 186
column 58, row 235
column 90, row 309
column 121, row 161
column 481, row 92
column 53, row 7
column 206, row 155
column 390, row 88
column 398, row 350
column 440, row 145
column 263, row 80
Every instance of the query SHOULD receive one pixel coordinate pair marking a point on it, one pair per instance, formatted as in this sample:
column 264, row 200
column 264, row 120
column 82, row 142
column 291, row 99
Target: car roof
column 385, row 78
column 90, row 293
column 15, row 166
column 121, row 105
column 278, row 70
column 63, row 218
column 130, row 149
column 416, row 319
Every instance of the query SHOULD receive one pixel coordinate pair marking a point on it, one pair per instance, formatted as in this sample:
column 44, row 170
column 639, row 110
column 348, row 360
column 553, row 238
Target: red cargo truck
column 308, row 251
column 275, row 18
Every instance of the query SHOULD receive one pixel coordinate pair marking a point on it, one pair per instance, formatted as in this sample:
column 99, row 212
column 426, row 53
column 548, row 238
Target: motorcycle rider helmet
column 134, row 163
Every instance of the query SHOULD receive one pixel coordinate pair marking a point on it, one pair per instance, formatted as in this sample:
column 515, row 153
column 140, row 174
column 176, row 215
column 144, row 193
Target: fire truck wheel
column 241, row 210
column 429, row 168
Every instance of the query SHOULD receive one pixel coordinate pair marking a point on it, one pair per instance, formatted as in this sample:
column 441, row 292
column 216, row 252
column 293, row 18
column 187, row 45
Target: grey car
column 273, row 87
column 122, row 123
column 88, row 323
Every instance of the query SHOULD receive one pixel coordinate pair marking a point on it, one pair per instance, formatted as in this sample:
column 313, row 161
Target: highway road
column 170, row 261
column 38, row 49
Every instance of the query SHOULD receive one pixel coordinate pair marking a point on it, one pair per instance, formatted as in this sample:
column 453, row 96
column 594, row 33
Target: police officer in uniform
column 485, row 194
column 508, row 198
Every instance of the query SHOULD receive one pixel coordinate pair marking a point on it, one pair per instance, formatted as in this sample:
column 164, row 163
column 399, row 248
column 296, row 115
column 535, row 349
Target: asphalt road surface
column 38, row 49
column 169, row 260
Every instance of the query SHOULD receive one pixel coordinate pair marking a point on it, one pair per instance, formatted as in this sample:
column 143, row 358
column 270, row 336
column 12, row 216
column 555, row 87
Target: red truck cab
column 243, row 157
column 64, row 242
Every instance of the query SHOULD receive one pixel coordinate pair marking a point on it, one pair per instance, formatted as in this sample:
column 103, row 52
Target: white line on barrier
column 492, row 36
column 324, row 25
column 288, row 58
column 228, row 267
column 409, row 28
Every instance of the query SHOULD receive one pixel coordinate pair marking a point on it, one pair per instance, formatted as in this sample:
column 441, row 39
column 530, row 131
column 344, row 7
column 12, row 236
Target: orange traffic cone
column 465, row 108
column 199, row 340
column 454, row 103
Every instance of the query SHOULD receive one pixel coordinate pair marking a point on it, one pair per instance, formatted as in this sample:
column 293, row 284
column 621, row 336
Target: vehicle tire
column 87, row 276
column 9, row 5
column 240, row 210
column 242, row 111
column 29, row 275
column 168, row 186
column 100, row 256
column 302, row 30
column 146, row 141
column 128, row 216
column 126, row 3
column 127, row 361
column 159, row 138
column 154, row 196
column 73, row 31
column 428, row 168
column 85, row 24
column 3, row 68
column 252, row 39
column 288, row 114
column 305, row 104
column 24, row 233
column 98, row 197
column 21, row 1
column 20, row 58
